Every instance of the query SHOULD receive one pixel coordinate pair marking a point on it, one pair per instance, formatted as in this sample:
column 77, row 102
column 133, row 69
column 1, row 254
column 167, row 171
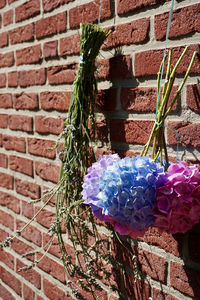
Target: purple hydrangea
column 177, row 206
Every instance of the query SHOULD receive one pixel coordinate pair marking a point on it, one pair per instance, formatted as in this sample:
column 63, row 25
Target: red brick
column 7, row 220
column 45, row 218
column 130, row 131
column 1, row 142
column 193, row 92
column 14, row 143
column 189, row 134
column 118, row 67
column 8, row 17
column 30, row 275
column 27, row 209
column 13, row 79
column 39, row 298
column 53, row 292
column 139, row 290
column 25, row 101
column 52, row 268
column 52, row 201
column 160, row 295
column 11, row 1
column 2, row 3
column 49, row 5
column 3, row 39
column 148, row 62
column 47, row 171
column 172, row 244
column 129, row 33
column 55, row 248
column 3, row 160
column 41, row 147
column 32, row 77
column 89, row 13
column 124, row 6
column 20, row 122
column 28, row 55
column 61, row 74
column 21, row 34
column 194, row 246
column 10, row 280
column 27, row 10
column 184, row 21
column 28, row 189
column 22, row 248
column 185, row 279
column 5, row 294
column 50, row 49
column 55, row 100
column 107, row 99
column 10, row 202
column 2, row 80
column 5, row 101
column 6, row 257
column 21, row 164
column 31, row 233
column 48, row 125
column 142, row 99
column 7, row 59
column 3, row 121
column 28, row 293
column 3, row 235
column 70, row 45
column 50, row 25
column 6, row 181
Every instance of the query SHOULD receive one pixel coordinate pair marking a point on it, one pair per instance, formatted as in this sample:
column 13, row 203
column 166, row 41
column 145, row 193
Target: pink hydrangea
column 177, row 206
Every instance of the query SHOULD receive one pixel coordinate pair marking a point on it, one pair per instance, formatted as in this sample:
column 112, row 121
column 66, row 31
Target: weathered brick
column 6, row 181
column 20, row 122
column 7, row 220
column 50, row 49
column 3, row 39
column 10, row 280
column 185, row 279
column 1, row 142
column 28, row 293
column 137, row 289
column 49, row 5
column 21, row 248
column 89, row 13
column 50, row 25
column 160, row 295
column 3, row 160
column 55, row 100
column 31, row 77
column 70, row 45
column 6, row 59
column 184, row 20
column 27, row 188
column 31, row 233
column 3, row 121
column 6, row 257
column 27, row 10
column 192, row 97
column 61, row 74
column 45, row 218
column 5, row 294
column 107, row 99
column 2, row 80
column 2, row 3
column 10, row 202
column 5, row 100
column 30, row 275
column 53, row 292
column 21, row 164
column 21, row 34
column 118, row 67
column 55, row 248
column 28, row 55
column 27, row 209
column 47, row 171
column 128, row 33
column 12, row 79
column 130, row 131
column 25, row 101
column 8, row 17
column 147, row 63
column 48, row 125
column 14, row 143
column 189, row 134
column 41, row 147
column 125, row 6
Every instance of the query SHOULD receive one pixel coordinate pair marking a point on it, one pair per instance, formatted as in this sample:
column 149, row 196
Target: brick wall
column 39, row 55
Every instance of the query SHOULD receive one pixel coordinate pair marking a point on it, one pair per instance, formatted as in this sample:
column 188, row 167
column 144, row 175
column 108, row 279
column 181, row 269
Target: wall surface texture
column 39, row 55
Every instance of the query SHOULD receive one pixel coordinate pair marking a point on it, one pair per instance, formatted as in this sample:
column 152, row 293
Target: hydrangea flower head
column 177, row 206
